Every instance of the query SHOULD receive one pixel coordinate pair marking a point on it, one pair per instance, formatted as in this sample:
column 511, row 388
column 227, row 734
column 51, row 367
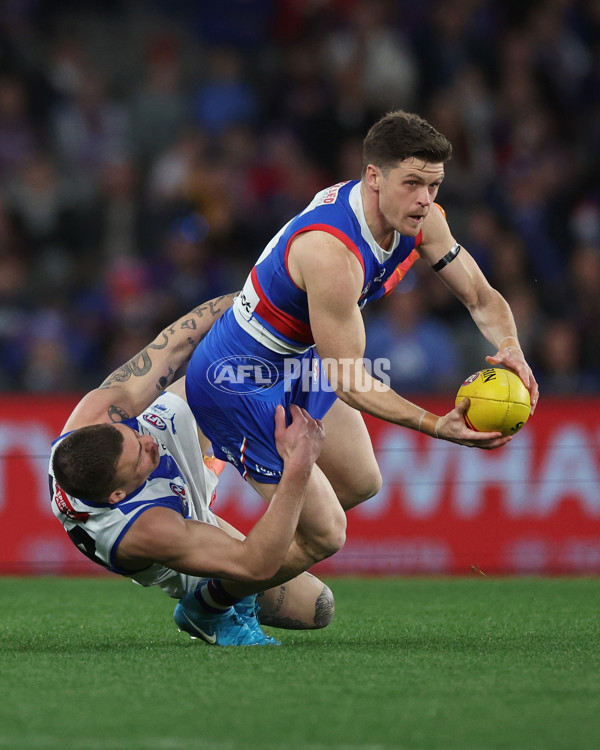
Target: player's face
column 407, row 193
column 138, row 460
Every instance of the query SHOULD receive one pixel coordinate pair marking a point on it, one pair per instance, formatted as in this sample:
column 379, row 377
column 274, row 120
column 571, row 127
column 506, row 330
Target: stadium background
column 149, row 149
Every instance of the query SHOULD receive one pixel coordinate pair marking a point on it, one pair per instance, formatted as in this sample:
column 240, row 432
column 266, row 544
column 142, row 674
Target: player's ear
column 116, row 496
column 372, row 176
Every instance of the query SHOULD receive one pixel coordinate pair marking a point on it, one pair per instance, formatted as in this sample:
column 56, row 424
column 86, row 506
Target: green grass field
column 455, row 664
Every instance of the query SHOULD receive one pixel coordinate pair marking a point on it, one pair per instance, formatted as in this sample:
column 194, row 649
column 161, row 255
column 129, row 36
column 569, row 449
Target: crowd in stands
column 149, row 149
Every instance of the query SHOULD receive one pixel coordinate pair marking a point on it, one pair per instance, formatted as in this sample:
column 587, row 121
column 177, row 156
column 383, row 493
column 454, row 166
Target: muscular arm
column 162, row 535
column 333, row 280
column 488, row 308
column 134, row 385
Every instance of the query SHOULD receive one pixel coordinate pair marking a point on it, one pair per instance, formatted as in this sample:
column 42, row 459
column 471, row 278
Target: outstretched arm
column 162, row 535
column 333, row 279
column 134, row 385
column 488, row 308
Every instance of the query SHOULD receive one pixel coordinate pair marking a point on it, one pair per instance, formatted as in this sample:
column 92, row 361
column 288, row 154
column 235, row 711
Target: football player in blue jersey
column 132, row 489
column 299, row 313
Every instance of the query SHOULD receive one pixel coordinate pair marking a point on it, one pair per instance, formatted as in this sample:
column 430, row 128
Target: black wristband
column 448, row 258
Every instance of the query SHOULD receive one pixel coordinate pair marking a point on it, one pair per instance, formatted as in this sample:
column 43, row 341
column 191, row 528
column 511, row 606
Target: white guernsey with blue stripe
column 181, row 482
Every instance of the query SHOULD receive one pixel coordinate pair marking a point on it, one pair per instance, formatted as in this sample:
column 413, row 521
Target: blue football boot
column 226, row 629
column 247, row 609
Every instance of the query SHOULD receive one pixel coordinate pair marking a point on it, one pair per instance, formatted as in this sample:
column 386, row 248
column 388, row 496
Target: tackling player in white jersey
column 131, row 487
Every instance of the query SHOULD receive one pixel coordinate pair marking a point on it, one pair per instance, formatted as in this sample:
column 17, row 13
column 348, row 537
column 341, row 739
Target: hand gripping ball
column 499, row 401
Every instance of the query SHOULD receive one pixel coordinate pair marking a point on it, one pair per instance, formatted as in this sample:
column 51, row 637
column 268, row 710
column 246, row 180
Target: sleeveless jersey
column 180, row 482
column 273, row 310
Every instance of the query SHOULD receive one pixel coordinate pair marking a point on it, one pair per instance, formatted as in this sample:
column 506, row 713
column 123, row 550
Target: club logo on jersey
column 155, row 421
column 64, row 505
column 179, row 490
column 242, row 374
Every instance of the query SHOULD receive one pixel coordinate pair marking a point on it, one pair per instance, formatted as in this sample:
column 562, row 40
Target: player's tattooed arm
column 133, row 386
column 139, row 366
column 116, row 413
column 172, row 347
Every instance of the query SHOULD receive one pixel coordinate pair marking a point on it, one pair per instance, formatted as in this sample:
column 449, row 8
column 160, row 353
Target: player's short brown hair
column 85, row 462
column 400, row 135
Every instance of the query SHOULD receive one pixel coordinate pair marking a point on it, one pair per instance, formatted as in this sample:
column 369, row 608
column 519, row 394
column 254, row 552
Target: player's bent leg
column 321, row 530
column 304, row 603
column 347, row 458
column 324, row 551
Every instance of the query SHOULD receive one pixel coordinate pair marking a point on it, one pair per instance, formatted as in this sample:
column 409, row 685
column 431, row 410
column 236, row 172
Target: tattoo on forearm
column 158, row 345
column 136, row 367
column 141, row 364
column 116, row 413
column 164, row 381
column 213, row 306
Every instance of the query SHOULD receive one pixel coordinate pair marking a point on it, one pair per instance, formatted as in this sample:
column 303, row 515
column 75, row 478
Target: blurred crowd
column 149, row 149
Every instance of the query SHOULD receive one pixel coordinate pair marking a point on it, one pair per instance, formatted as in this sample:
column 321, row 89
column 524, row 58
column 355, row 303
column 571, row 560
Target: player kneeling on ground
column 132, row 490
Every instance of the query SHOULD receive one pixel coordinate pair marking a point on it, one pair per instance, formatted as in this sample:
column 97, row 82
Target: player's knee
column 327, row 541
column 366, row 487
column 326, row 545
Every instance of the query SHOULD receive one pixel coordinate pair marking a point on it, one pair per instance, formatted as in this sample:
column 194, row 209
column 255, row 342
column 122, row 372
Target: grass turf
column 421, row 664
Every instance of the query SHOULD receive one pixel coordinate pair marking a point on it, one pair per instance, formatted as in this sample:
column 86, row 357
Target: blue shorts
column 233, row 385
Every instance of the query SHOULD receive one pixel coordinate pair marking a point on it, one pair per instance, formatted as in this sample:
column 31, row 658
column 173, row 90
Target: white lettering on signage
column 509, row 468
column 570, row 469
column 421, row 475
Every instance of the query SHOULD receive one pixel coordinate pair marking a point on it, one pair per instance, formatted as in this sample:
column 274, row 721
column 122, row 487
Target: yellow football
column 499, row 401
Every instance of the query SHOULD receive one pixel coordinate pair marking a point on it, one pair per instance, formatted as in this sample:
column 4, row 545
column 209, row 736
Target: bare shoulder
column 318, row 258
column 133, row 386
